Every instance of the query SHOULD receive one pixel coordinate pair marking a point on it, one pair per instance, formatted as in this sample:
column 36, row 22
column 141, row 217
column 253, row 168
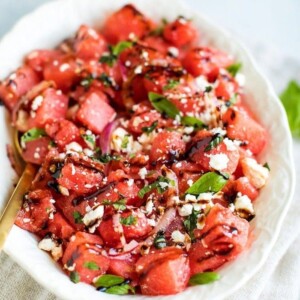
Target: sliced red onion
column 162, row 225
column 105, row 136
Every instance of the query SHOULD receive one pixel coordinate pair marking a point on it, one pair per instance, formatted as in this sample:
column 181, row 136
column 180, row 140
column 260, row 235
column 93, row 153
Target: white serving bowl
column 57, row 20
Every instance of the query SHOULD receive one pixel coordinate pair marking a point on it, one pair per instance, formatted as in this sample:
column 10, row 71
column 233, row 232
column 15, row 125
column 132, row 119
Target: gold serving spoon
column 15, row 202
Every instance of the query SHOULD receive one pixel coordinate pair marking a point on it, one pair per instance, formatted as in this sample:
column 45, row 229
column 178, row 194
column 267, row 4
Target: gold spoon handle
column 14, row 204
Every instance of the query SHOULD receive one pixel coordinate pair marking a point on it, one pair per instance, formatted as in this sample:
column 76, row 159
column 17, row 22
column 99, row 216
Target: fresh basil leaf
column 290, row 99
column 163, row 105
column 118, row 205
column 192, row 121
column 171, row 84
column 106, row 80
column 231, row 101
column 266, row 165
column 125, row 141
column 90, row 140
column 190, row 223
column 91, row 265
column 204, row 278
column 215, row 141
column 115, row 51
column 77, row 217
column 209, row 182
column 127, row 221
column 120, row 47
column 87, row 81
column 122, row 289
column 106, row 158
column 161, row 184
column 32, row 134
column 160, row 240
column 74, row 276
column 159, row 30
column 108, row 280
column 150, row 128
column 234, row 69
column 208, row 89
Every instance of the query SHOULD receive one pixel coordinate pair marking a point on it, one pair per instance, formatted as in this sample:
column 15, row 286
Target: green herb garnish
column 266, row 165
column 209, row 182
column 106, row 80
column 125, row 141
column 90, row 140
column 215, row 141
column 122, row 289
column 204, row 278
column 290, row 99
column 192, row 121
column 75, row 277
column 127, row 221
column 109, row 280
column 106, row 158
column 150, row 128
column 160, row 240
column 161, row 184
column 171, row 84
column 190, row 223
column 234, row 69
column 32, row 134
column 91, row 265
column 118, row 205
column 114, row 52
column 77, row 217
column 208, row 89
column 87, row 81
column 163, row 105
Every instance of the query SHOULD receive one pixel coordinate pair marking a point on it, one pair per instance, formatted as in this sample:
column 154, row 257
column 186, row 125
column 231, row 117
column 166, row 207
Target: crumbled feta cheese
column 149, row 207
column 130, row 182
column 186, row 138
column 201, row 83
column 240, row 78
column 50, row 245
column 138, row 70
column 205, row 196
column 64, row 67
column 219, row 161
column 63, row 190
column 73, row 147
column 117, row 140
column 218, row 130
column 37, row 102
column 230, row 145
column 143, row 172
column 173, row 51
column 189, row 197
column 151, row 222
column 185, row 210
column 93, row 215
column 178, row 237
column 188, row 130
column 190, row 182
column 256, row 173
column 242, row 202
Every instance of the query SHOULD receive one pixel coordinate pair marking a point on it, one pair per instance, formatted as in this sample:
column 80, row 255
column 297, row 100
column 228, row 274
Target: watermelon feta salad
column 146, row 154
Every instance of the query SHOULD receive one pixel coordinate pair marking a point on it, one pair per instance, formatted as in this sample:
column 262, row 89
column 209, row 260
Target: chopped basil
column 115, row 51
column 290, row 99
column 127, row 221
column 159, row 30
column 90, row 140
column 118, row 205
column 106, row 80
column 87, row 81
column 75, row 277
column 163, row 105
column 159, row 184
column 209, row 182
column 190, row 223
column 106, row 158
column 122, row 289
column 32, row 134
column 91, row 265
column 192, row 121
column 125, row 141
column 208, row 89
column 266, row 165
column 150, row 128
column 120, row 47
column 231, row 101
column 77, row 217
column 109, row 280
column 234, row 69
column 171, row 84
column 215, row 141
column 204, row 278
column 160, row 240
